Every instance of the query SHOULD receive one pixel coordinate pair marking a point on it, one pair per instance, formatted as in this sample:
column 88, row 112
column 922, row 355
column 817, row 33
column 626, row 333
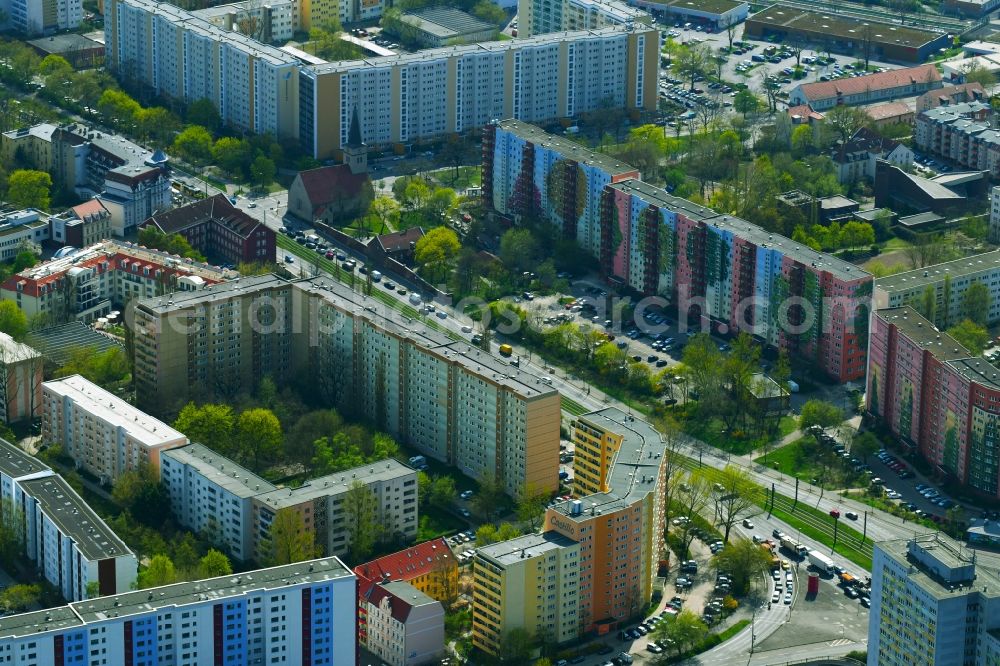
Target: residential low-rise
column 23, row 230
column 210, row 494
column 430, row 567
column 91, row 282
column 867, row 89
column 855, row 159
column 403, row 626
column 81, row 226
column 219, row 230
column 962, row 133
column 20, row 381
column 299, row 613
column 948, row 282
column 69, row 544
column 102, row 433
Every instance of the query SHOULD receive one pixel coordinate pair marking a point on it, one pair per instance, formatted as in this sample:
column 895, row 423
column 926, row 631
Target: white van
column 376, row 276
column 415, row 299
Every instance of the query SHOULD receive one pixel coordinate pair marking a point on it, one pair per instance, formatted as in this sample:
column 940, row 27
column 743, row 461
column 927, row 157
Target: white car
column 466, row 329
column 788, row 598
column 776, row 597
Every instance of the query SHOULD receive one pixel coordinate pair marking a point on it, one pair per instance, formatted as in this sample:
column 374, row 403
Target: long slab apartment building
column 211, row 494
column 452, row 401
column 936, row 397
column 400, row 99
column 716, row 268
column 65, row 540
column 561, row 583
column 303, row 613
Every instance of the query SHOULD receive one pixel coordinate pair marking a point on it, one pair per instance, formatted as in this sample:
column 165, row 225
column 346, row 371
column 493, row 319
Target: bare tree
column 735, row 496
column 731, row 34
column 692, row 62
column 694, row 496
column 927, row 250
column 867, row 37
column 250, row 20
column 770, row 86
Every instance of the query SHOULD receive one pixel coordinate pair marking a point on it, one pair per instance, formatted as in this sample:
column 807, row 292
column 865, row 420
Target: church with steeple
column 356, row 151
column 335, row 194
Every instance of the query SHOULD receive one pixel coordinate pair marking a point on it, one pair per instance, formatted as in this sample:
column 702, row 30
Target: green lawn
column 896, row 243
column 468, row 176
column 712, row 432
column 435, row 523
column 572, row 407
column 800, row 459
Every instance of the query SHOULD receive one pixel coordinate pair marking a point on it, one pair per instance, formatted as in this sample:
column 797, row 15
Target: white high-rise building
column 537, row 17
column 302, row 613
column 934, row 602
column 101, row 432
column 33, row 17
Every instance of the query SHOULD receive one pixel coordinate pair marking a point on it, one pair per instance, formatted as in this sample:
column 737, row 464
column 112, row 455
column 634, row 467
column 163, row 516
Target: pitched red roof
column 216, row 209
column 325, row 185
column 405, row 564
column 963, row 92
column 400, row 240
column 804, row 111
column 894, row 78
column 92, row 208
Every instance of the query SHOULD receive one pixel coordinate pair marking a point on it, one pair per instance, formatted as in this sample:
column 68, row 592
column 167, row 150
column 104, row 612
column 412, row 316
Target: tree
column 531, row 507
column 928, row 249
column 845, row 120
column 12, row 536
column 694, row 495
column 108, row 369
column 684, row 629
column 386, row 211
column 194, row 144
column 735, row 496
column 289, row 540
column 441, row 201
column 976, row 303
column 745, row 561
column 20, row 598
column 491, row 496
column 857, row 234
column 516, row 647
column 119, row 110
column 141, row 492
column 416, row 194
column 258, row 437
column 214, row 564
column 489, row 12
column 160, row 572
column 211, row 425
column 54, row 65
column 489, row 533
column 692, row 62
column 973, row 72
column 820, row 413
column 435, row 250
column 441, row 492
column 13, row 321
column 970, row 335
column 864, row 445
column 27, row 188
column 232, row 155
column 203, row 112
column 359, row 510
column 156, row 124
column 262, row 171
column 746, row 102
column 151, row 236
column 519, row 249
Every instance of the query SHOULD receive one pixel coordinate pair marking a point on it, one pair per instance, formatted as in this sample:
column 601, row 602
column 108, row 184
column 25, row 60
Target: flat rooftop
column 484, row 364
column 923, row 334
column 921, row 277
column 979, row 370
column 445, row 22
column 619, row 11
column 950, row 555
column 41, row 131
column 438, row 54
column 742, row 229
column 75, row 518
column 506, row 553
column 183, row 594
column 783, row 17
column 60, row 618
column 709, row 6
column 334, row 484
column 220, row 470
column 16, row 463
column 407, row 593
column 633, row 472
column 563, row 146
column 112, row 409
column 67, row 43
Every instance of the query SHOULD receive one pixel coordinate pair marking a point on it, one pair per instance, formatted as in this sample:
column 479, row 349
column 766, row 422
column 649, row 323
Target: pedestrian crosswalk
column 840, row 641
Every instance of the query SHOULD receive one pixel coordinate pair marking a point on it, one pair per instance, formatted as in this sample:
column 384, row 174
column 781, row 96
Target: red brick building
column 219, row 230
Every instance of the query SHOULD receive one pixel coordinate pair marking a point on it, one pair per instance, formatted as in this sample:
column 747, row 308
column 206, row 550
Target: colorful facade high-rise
column 717, row 270
column 936, row 397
